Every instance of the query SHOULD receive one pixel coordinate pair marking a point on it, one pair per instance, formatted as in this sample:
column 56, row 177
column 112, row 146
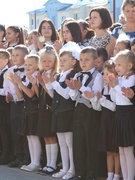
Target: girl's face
column 47, row 61
column 129, row 13
column 18, row 57
column 11, row 36
column 95, row 20
column 66, row 62
column 119, row 47
column 105, row 75
column 46, row 30
column 122, row 67
column 99, row 63
column 87, row 61
column 67, row 34
column 30, row 39
column 31, row 65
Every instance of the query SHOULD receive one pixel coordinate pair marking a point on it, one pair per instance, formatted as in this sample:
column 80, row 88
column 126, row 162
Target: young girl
column 122, row 43
column 63, row 108
column 100, row 21
column 123, row 133
column 14, row 36
column 28, row 125
column 71, row 31
column 107, row 120
column 48, row 65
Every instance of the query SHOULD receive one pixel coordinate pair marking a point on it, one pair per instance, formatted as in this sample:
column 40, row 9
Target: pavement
column 7, row 173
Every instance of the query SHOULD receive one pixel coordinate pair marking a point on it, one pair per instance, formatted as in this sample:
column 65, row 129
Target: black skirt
column 124, row 126
column 105, row 133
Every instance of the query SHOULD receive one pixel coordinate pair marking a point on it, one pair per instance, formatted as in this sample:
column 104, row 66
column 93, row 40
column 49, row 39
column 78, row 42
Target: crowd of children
column 67, row 98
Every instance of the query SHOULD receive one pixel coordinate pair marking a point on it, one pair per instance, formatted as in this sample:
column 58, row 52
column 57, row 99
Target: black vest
column 2, row 98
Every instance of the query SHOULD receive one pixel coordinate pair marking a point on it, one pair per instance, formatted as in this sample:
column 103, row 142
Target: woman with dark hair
column 86, row 31
column 100, row 22
column 47, row 33
column 14, row 36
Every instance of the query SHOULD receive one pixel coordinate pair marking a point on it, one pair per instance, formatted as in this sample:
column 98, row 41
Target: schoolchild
column 123, row 131
column 107, row 121
column 86, row 127
column 28, row 126
column 63, row 108
column 4, row 111
column 48, row 66
column 16, row 104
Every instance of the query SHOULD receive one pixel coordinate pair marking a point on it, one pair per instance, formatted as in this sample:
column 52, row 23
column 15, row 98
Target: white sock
column 116, row 177
column 130, row 159
column 64, row 151
column 37, row 150
column 69, row 142
column 110, row 176
column 54, row 155
column 30, row 145
column 48, row 154
column 123, row 163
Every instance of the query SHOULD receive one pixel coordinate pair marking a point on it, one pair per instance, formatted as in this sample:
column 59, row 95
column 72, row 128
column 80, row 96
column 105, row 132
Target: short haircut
column 32, row 56
column 105, row 15
column 101, row 52
column 23, row 48
column 91, row 50
column 127, row 2
column 4, row 54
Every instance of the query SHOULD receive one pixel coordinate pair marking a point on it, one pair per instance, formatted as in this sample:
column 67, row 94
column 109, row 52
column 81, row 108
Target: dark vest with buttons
column 60, row 104
column 2, row 98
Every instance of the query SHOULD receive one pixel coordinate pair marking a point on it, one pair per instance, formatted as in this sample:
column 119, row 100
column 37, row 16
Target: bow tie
column 88, row 73
column 19, row 69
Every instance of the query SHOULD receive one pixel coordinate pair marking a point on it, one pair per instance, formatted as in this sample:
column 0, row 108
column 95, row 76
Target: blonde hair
column 129, row 57
column 32, row 56
column 50, row 51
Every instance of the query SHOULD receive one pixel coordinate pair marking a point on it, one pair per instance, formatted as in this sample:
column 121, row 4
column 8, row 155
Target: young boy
column 16, row 104
column 86, row 126
column 4, row 110
column 102, row 56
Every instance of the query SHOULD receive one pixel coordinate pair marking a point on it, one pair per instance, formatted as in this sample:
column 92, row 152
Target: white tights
column 66, row 149
column 34, row 149
column 127, row 162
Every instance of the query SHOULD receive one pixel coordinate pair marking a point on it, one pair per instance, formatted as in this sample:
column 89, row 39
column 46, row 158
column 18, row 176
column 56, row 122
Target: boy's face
column 133, row 48
column 30, row 65
column 99, row 64
column 3, row 62
column 18, row 57
column 87, row 61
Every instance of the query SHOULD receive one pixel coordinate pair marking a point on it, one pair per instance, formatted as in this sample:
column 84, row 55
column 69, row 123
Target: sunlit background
column 14, row 12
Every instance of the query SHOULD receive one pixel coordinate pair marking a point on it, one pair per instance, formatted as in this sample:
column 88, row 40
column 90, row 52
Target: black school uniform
column 28, row 125
column 45, row 114
column 107, row 123
column 5, row 130
column 124, row 124
column 86, row 128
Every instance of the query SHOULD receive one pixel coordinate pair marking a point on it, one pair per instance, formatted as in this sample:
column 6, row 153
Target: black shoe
column 76, row 178
column 15, row 163
column 50, row 172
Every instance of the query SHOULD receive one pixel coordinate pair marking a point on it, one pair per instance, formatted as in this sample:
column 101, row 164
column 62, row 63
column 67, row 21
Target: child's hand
column 89, row 94
column 16, row 79
column 70, row 83
column 57, row 45
column 77, row 83
column 113, row 80
column 33, row 80
column 45, row 78
column 39, row 77
column 12, row 79
column 99, row 95
column 9, row 97
column 128, row 92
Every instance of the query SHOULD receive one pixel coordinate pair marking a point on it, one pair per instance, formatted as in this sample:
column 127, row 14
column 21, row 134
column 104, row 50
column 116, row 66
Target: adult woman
column 128, row 8
column 100, row 21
